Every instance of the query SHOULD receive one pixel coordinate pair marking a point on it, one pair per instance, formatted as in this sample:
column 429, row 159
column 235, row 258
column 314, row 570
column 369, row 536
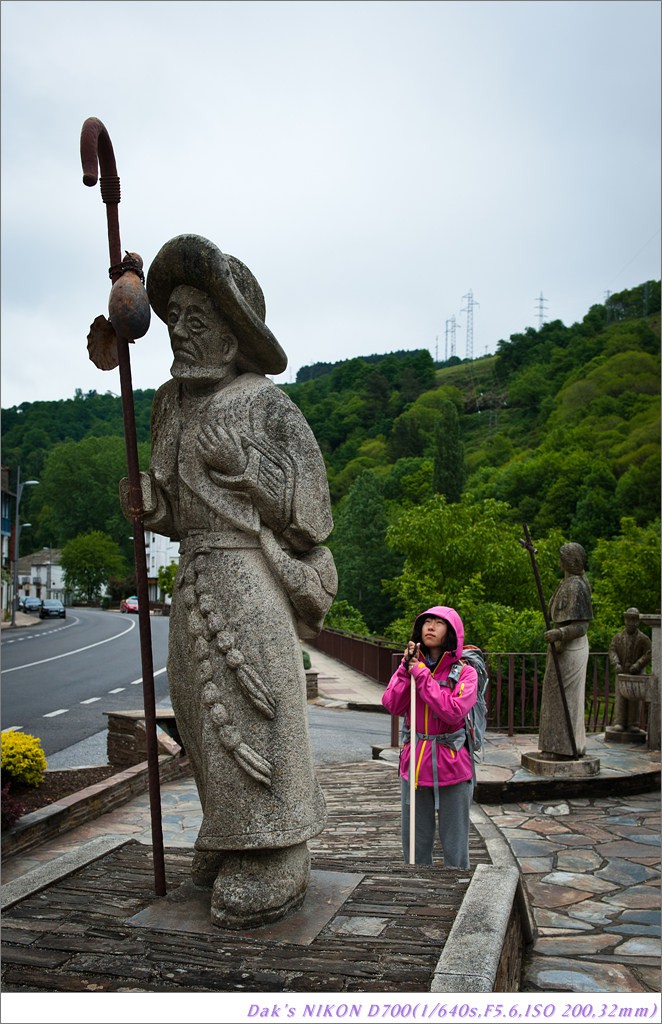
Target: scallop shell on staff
column 102, row 344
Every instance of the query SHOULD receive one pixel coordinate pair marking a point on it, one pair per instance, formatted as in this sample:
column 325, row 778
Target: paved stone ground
column 591, row 870
column 81, row 934
column 589, row 860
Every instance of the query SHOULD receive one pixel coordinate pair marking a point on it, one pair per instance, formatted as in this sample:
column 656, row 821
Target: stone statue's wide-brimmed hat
column 195, row 261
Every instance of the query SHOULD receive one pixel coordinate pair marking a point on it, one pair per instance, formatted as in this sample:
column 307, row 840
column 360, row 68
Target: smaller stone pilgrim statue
column 629, row 653
column 570, row 610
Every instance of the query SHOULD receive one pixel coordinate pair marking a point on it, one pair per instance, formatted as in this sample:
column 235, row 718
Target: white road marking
column 118, row 690
column 35, row 636
column 90, row 700
column 137, row 682
column 13, row 728
column 79, row 650
column 52, row 714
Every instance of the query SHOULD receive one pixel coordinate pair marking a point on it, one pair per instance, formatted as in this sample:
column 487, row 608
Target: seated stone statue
column 629, row 653
column 237, row 477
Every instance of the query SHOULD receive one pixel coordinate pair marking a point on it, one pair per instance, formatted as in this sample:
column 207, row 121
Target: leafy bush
column 306, row 660
column 341, row 615
column 11, row 809
column 22, row 758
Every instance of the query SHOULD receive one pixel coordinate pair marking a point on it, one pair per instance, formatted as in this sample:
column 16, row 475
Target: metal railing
column 514, row 689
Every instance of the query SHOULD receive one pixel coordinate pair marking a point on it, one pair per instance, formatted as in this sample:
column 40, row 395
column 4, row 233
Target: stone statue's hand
column 148, row 497
column 553, row 634
column 222, row 449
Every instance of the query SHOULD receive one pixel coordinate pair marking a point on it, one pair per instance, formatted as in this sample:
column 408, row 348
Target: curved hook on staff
column 96, row 153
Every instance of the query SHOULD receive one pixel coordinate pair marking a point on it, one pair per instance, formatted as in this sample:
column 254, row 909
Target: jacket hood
column 450, row 616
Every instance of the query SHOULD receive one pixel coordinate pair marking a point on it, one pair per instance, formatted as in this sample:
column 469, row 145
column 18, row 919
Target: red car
column 129, row 604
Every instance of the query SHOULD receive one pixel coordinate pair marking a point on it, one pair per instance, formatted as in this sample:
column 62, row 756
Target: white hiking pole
column 412, row 770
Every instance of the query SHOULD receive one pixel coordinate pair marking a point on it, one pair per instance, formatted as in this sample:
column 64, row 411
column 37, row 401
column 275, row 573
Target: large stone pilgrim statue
column 237, row 477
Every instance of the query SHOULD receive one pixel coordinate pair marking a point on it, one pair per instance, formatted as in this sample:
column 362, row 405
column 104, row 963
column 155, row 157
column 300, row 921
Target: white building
column 40, row 575
column 160, row 551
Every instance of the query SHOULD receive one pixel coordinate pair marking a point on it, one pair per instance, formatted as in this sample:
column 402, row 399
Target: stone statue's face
column 631, row 623
column 203, row 345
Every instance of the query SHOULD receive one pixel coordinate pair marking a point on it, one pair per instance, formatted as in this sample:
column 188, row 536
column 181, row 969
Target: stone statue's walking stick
column 108, row 344
column 528, row 544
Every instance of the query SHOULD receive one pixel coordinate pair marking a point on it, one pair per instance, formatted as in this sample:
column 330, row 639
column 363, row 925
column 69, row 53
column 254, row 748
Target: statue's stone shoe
column 204, row 868
column 255, row 887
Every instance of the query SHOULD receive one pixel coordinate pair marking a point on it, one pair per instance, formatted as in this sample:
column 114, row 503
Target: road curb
column 34, row 881
column 484, row 945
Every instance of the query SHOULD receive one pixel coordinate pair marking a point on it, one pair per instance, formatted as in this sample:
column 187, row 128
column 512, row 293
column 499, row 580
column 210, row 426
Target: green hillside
column 559, row 429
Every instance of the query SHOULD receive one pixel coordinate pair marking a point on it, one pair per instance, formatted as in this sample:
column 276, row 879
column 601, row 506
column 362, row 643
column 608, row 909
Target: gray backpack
column 475, row 722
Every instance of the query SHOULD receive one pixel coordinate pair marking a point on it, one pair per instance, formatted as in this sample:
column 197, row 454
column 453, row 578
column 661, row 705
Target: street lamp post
column 49, row 567
column 17, row 534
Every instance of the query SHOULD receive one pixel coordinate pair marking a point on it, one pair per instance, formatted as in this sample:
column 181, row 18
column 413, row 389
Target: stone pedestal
column 126, row 744
column 613, row 735
column 541, row 762
column 311, row 685
column 636, row 688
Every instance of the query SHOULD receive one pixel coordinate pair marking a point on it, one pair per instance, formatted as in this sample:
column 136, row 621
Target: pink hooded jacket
column 439, row 709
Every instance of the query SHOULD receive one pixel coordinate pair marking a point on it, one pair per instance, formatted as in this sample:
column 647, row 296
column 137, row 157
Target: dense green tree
column 407, row 481
column 166, row 578
column 638, row 491
column 625, row 571
column 449, row 472
column 89, row 561
column 463, row 555
column 410, row 435
column 341, row 615
column 359, row 548
column 79, row 490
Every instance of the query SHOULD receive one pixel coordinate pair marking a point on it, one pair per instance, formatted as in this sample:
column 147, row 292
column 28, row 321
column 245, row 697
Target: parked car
column 129, row 604
column 32, row 604
column 52, row 609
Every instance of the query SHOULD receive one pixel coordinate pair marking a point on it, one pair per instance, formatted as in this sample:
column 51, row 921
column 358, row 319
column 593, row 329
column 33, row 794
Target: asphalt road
column 60, row 676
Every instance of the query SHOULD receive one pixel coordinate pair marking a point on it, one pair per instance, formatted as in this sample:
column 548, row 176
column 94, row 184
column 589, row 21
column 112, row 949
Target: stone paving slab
column 597, row 912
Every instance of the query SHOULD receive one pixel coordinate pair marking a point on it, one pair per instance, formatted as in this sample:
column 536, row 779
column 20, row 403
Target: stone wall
column 71, row 811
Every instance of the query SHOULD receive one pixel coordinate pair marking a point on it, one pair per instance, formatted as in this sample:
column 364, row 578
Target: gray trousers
column 454, row 806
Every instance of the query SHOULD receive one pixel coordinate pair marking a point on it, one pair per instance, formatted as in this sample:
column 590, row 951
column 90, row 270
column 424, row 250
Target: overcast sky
column 374, row 164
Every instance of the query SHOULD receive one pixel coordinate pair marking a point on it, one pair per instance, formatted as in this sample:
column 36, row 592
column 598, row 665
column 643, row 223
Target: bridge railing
column 514, row 689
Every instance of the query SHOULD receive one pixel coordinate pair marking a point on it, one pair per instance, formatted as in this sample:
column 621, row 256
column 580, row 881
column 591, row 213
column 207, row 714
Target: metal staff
column 97, row 154
column 412, row 761
column 528, row 544
column 412, row 772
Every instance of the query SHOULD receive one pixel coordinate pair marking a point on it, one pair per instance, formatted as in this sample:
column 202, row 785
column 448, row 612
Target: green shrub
column 306, row 660
column 22, row 758
column 342, row 615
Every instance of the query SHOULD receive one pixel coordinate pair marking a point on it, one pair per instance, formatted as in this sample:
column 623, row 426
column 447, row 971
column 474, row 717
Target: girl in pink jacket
column 442, row 760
